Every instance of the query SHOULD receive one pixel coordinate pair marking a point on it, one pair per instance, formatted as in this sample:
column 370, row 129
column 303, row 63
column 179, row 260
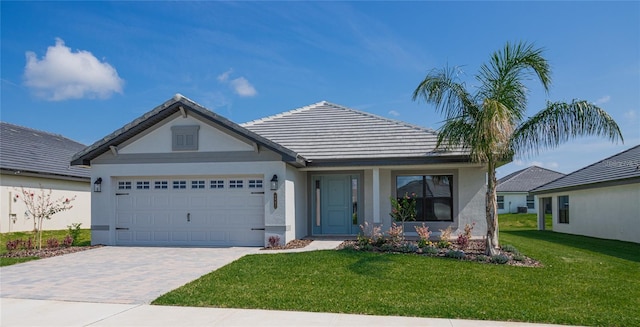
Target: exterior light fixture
column 274, row 183
column 97, row 185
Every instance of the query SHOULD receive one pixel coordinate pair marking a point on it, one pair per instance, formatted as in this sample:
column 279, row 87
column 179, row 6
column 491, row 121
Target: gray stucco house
column 600, row 200
column 31, row 159
column 513, row 190
column 183, row 175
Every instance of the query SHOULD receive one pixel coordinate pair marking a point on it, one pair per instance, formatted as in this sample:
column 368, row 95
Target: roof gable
column 624, row 166
column 527, row 179
column 27, row 150
column 325, row 131
column 184, row 106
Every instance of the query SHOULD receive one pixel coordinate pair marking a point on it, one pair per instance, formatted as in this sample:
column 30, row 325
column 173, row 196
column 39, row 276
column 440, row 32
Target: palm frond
column 442, row 88
column 560, row 122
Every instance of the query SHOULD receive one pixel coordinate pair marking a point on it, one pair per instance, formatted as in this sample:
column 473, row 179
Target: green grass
column 83, row 240
column 585, row 281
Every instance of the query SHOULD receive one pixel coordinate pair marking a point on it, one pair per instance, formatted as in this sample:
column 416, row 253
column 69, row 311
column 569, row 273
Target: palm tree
column 491, row 123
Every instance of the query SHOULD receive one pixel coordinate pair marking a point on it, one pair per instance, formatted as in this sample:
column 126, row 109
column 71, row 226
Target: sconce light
column 97, row 185
column 274, row 183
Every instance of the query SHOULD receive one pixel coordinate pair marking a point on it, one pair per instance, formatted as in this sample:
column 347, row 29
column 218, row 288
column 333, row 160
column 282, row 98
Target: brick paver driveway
column 113, row 274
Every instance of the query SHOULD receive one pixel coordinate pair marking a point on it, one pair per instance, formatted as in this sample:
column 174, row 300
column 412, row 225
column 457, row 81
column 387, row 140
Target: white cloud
column 242, row 87
column 518, row 162
column 603, row 100
column 394, row 113
column 630, row 115
column 63, row 74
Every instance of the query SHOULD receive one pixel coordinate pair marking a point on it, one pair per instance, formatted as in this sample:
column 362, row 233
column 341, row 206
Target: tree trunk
column 491, row 211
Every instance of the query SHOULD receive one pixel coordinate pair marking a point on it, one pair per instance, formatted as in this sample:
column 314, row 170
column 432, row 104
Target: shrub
column 274, row 240
column 53, row 243
column 74, row 232
column 482, row 258
column 408, row 247
column 424, row 234
column 499, row 259
column 387, row 247
column 396, row 234
column 430, row 250
column 510, row 248
column 13, row 245
column 68, row 241
column 370, row 234
column 456, row 254
column 404, row 208
column 463, row 239
column 519, row 257
column 445, row 236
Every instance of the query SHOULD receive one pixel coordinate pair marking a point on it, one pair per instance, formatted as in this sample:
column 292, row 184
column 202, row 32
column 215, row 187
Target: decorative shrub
column 463, row 239
column 74, row 231
column 456, row 254
column 68, row 241
column 445, row 236
column 53, row 243
column 430, row 250
column 510, row 248
column 370, row 234
column 396, row 234
column 499, row 259
column 482, row 258
column 274, row 240
column 408, row 247
column 404, row 208
column 424, row 234
column 519, row 257
column 13, row 245
column 387, row 247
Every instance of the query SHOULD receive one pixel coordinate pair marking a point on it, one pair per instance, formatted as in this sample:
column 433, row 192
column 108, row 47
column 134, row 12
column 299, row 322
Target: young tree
column 40, row 207
column 491, row 122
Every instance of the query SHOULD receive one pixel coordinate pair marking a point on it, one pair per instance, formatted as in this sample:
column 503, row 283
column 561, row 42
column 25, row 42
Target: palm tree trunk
column 491, row 211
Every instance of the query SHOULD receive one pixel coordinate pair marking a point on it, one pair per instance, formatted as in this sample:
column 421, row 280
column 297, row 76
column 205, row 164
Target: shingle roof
column 326, row 131
column 622, row 167
column 527, row 179
column 168, row 108
column 27, row 150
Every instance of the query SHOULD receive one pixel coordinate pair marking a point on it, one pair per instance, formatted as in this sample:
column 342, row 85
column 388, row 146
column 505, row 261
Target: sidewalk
column 20, row 312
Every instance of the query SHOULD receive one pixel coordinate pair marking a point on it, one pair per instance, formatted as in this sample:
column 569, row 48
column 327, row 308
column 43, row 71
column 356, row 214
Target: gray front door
column 334, row 199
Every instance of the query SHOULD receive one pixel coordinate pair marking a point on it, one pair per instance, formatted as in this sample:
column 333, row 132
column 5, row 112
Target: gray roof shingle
column 527, row 179
column 622, row 167
column 326, row 131
column 31, row 151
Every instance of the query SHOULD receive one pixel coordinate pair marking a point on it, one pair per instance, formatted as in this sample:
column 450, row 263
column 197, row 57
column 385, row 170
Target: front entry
column 335, row 204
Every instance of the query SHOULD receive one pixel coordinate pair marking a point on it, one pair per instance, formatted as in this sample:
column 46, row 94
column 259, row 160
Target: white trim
column 376, row 196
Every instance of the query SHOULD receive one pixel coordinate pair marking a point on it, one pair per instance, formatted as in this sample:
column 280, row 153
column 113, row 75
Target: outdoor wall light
column 274, row 183
column 97, row 185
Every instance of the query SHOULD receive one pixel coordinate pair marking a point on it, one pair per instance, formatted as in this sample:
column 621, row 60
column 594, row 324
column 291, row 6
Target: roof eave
column 608, row 183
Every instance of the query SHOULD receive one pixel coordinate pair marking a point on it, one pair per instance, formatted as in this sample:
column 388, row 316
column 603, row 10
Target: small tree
column 403, row 209
column 40, row 207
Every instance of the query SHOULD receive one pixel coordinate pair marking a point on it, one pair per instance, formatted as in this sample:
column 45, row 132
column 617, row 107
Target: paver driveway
column 113, row 274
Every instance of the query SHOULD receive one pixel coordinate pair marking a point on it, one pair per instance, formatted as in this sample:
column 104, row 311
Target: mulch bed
column 474, row 252
column 295, row 244
column 47, row 252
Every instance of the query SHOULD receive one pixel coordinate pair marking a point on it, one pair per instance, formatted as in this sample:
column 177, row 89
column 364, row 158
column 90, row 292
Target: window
column 142, row 185
column 197, row 184
column 255, row 183
column 179, row 185
column 235, row 183
column 500, row 199
column 530, row 202
column 563, row 209
column 433, row 193
column 217, row 184
column 160, row 185
column 184, row 138
column 123, row 185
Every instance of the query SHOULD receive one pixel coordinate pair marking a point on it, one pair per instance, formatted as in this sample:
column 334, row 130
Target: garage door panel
column 180, row 236
column 143, row 236
column 162, row 236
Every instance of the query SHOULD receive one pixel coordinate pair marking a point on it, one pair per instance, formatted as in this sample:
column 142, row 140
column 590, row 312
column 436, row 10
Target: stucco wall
column 10, row 186
column 514, row 200
column 471, row 203
column 606, row 212
column 296, row 200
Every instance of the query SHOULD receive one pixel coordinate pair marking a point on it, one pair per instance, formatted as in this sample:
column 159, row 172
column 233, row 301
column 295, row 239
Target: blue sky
column 84, row 69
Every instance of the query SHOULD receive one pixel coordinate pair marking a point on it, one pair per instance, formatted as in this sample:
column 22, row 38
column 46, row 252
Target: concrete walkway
column 19, row 312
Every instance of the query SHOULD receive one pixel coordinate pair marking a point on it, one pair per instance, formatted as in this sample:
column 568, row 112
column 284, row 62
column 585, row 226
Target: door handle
column 188, row 217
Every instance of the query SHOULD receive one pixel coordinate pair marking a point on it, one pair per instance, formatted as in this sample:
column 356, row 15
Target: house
column 183, row 175
column 513, row 190
column 601, row 200
column 31, row 159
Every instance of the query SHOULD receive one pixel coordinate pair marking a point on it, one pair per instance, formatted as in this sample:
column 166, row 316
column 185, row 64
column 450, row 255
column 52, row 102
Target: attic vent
column 184, row 138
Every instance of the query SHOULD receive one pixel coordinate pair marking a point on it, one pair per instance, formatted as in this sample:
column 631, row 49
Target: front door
column 335, row 204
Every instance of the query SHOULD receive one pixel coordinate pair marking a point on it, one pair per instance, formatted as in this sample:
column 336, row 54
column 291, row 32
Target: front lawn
column 84, row 239
column 584, row 281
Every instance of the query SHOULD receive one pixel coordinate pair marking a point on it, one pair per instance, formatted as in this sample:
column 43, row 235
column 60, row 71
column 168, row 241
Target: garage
column 194, row 211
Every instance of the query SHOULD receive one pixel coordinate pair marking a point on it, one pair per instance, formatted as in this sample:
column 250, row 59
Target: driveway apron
column 113, row 274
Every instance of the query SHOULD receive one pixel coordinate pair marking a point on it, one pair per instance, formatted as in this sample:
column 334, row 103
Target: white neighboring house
column 513, row 190
column 601, row 200
column 30, row 158
column 183, row 175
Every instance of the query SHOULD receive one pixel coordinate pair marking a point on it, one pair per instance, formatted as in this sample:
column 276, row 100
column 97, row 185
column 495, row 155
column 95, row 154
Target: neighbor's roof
column 621, row 168
column 28, row 151
column 171, row 106
column 527, row 179
column 326, row 132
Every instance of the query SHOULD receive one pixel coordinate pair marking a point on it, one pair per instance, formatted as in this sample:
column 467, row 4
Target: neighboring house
column 513, row 190
column 601, row 200
column 183, row 175
column 32, row 159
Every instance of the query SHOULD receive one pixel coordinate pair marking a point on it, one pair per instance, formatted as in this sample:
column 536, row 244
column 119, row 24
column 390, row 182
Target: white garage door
column 207, row 211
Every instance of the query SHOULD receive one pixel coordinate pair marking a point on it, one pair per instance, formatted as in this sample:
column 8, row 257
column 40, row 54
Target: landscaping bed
column 46, row 252
column 295, row 244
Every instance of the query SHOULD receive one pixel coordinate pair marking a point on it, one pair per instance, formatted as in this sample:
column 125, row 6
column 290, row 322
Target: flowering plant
column 404, row 208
